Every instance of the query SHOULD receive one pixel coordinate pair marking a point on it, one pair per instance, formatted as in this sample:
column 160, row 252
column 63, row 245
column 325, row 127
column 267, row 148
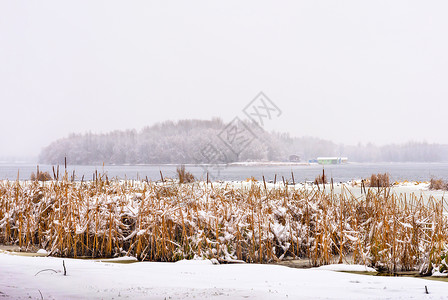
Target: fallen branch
column 45, row 271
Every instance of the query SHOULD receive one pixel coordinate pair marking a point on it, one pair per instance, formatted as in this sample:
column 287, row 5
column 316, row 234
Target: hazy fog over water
column 347, row 71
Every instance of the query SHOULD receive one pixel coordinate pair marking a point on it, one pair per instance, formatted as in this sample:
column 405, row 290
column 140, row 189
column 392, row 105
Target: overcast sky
column 349, row 71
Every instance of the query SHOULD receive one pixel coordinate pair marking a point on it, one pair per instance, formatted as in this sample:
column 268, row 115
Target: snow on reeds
column 169, row 222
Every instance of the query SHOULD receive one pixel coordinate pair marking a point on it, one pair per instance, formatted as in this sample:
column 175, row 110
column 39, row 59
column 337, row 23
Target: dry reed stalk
column 379, row 180
column 437, row 184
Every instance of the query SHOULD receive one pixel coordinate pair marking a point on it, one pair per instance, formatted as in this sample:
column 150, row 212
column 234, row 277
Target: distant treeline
column 186, row 141
column 213, row 141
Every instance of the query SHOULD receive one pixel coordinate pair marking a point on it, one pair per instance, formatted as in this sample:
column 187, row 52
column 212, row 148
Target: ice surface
column 198, row 279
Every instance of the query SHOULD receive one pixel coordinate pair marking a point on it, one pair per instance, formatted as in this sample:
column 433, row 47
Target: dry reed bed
column 168, row 222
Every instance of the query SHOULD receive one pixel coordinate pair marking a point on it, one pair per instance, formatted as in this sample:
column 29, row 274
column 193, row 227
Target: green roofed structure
column 332, row 160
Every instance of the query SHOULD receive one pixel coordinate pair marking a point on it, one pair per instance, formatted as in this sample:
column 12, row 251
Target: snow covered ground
column 88, row 279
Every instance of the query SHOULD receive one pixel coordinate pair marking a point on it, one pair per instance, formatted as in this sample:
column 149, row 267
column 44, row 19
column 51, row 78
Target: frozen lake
column 340, row 173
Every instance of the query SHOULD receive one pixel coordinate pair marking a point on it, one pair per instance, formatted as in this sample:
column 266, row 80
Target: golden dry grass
column 183, row 175
column 41, row 176
column 437, row 184
column 168, row 222
column 321, row 179
column 379, row 180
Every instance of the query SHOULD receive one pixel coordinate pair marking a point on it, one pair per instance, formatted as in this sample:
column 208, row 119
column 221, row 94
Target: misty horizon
column 347, row 72
column 34, row 158
column 194, row 141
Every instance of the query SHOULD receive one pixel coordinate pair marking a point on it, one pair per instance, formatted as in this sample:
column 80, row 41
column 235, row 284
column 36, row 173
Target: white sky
column 349, row 71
